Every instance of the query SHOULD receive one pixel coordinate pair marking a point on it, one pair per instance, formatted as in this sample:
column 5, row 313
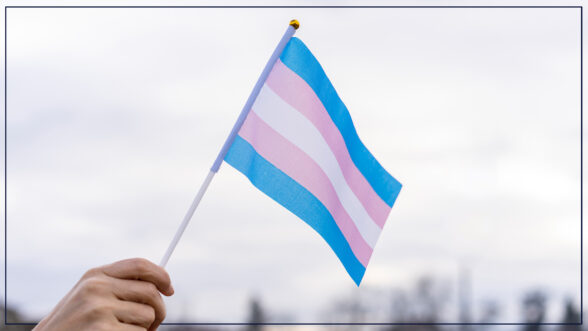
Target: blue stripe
column 288, row 193
column 299, row 59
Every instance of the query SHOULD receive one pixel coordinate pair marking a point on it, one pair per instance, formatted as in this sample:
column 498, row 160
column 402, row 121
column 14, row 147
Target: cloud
column 115, row 115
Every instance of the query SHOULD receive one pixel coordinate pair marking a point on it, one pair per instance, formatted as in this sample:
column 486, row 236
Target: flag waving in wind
column 298, row 145
column 295, row 141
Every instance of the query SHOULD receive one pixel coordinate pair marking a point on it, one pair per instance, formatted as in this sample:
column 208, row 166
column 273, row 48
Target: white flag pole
column 292, row 27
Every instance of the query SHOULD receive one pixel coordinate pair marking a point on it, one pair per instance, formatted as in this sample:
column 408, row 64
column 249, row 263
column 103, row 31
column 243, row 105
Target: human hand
column 119, row 296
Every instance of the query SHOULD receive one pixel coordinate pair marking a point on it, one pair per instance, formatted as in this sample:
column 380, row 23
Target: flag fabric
column 298, row 145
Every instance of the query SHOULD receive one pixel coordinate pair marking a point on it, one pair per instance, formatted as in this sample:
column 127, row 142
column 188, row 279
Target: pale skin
column 125, row 295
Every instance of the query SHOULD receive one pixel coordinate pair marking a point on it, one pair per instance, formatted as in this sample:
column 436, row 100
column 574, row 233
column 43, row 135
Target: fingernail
column 171, row 288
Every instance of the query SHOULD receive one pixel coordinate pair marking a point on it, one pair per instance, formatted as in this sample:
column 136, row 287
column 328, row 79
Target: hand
column 119, row 296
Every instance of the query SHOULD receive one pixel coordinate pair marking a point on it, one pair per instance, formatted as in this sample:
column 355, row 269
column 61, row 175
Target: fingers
column 143, row 293
column 141, row 269
column 135, row 313
column 135, row 285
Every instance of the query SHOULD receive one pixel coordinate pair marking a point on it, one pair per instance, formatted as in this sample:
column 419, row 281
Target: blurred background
column 115, row 116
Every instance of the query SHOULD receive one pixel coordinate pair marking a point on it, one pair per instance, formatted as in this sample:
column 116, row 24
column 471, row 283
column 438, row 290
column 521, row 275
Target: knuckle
column 93, row 285
column 91, row 273
column 97, row 310
column 154, row 295
column 155, row 300
column 149, row 314
column 151, row 289
column 163, row 313
column 140, row 265
column 160, row 307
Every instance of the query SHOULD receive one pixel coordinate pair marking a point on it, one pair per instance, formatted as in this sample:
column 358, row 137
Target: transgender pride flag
column 298, row 145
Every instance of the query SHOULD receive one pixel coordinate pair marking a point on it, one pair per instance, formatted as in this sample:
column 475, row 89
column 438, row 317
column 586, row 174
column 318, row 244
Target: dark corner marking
column 5, row 163
column 581, row 166
column 310, row 7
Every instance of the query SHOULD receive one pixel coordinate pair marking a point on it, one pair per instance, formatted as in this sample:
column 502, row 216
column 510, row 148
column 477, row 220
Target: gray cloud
column 115, row 116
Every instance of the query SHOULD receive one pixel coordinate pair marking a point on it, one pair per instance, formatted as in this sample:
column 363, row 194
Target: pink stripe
column 296, row 92
column 299, row 166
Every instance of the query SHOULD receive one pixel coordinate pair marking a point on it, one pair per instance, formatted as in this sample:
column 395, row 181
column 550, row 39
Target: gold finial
column 295, row 24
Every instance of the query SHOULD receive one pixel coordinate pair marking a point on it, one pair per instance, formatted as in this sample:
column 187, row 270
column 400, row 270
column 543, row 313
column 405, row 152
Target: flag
column 298, row 145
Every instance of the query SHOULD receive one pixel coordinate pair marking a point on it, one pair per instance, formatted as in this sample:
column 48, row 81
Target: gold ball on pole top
column 295, row 24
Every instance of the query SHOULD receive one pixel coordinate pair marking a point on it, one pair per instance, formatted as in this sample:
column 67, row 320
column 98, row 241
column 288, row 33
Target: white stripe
column 296, row 128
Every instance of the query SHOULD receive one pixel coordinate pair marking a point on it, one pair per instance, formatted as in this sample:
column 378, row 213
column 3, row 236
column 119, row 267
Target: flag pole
column 292, row 27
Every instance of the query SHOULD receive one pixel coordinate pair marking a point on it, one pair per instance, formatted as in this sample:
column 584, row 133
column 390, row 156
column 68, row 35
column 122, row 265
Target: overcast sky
column 115, row 116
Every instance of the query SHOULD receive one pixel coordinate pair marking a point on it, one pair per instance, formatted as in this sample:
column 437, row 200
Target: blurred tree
column 13, row 316
column 350, row 311
column 464, row 296
column 571, row 315
column 489, row 312
column 534, row 308
column 423, row 304
column 256, row 315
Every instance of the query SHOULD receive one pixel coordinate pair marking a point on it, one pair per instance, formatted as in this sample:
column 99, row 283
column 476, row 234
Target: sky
column 114, row 117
